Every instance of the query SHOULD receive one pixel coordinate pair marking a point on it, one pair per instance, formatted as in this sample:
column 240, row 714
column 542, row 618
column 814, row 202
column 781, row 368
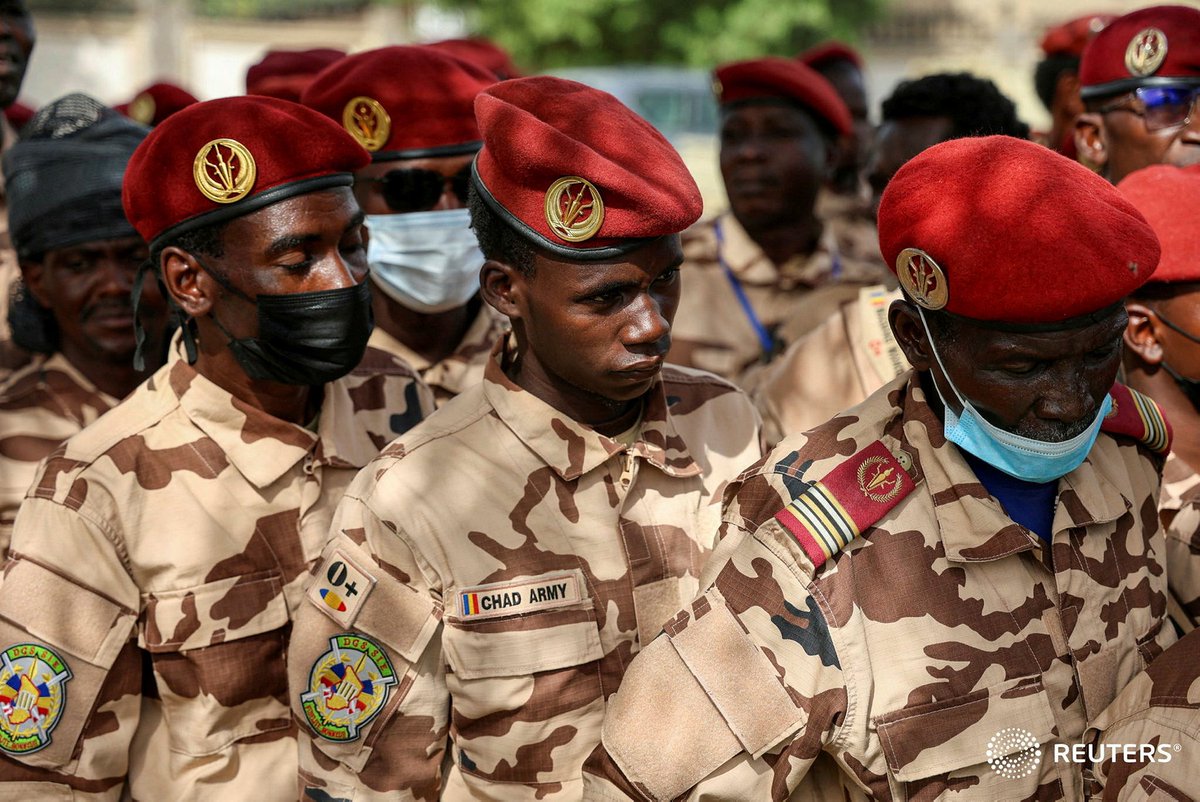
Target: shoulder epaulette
column 1136, row 415
column 833, row 511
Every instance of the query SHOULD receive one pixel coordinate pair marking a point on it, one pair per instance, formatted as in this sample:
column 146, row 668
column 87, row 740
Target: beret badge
column 574, row 209
column 367, row 121
column 922, row 278
column 142, row 108
column 224, row 170
column 1146, row 52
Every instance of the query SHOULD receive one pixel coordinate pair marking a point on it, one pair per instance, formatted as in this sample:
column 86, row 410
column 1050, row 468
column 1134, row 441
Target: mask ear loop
column 938, row 358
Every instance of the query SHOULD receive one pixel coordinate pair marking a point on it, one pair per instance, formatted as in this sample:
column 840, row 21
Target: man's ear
column 33, row 276
column 1141, row 334
column 910, row 334
column 188, row 284
column 1091, row 140
column 503, row 287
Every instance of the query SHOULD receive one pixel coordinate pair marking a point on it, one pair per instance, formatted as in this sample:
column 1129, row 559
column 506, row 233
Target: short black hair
column 1047, row 72
column 497, row 239
column 974, row 106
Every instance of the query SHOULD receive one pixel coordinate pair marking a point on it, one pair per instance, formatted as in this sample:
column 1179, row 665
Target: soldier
column 854, row 351
column 78, row 256
column 1144, row 745
column 159, row 556
column 285, row 74
column 1140, row 77
column 1162, row 360
column 493, row 571
column 424, row 259
column 157, row 102
column 961, row 568
column 842, row 66
column 16, row 42
column 755, row 276
column 1056, row 78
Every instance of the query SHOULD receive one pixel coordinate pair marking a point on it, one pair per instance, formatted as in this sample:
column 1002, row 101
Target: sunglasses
column 419, row 190
column 1161, row 107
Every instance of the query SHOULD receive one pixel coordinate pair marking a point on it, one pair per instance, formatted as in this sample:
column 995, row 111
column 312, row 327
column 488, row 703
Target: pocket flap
column 523, row 644
column 215, row 612
column 939, row 737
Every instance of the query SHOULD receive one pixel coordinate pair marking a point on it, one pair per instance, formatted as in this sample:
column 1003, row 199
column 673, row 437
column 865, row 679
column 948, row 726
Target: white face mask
column 427, row 261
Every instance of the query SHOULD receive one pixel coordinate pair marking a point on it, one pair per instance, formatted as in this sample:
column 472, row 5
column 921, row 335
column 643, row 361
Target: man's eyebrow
column 289, row 242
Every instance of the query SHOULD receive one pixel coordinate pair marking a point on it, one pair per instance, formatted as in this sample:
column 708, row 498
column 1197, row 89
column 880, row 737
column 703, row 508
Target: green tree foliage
column 543, row 34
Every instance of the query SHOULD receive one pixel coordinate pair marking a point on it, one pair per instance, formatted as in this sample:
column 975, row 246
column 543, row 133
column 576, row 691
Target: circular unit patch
column 347, row 687
column 33, row 696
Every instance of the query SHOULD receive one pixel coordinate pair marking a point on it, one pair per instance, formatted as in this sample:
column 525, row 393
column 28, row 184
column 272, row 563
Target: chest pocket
column 990, row 744
column 526, row 691
column 218, row 654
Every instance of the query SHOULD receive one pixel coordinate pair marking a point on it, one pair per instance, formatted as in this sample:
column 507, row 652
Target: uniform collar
column 748, row 262
column 450, row 374
column 572, row 449
column 972, row 525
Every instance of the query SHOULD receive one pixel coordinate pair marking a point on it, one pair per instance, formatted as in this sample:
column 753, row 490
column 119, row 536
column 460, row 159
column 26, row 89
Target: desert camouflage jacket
column 461, row 369
column 873, row 620
column 491, row 576
column 154, row 569
column 41, row 405
column 712, row 330
column 1146, row 744
column 1179, row 508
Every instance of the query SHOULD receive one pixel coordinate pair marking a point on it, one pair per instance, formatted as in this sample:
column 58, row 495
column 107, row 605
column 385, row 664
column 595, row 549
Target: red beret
column 18, row 114
column 1158, row 45
column 1006, row 231
column 774, row 78
column 576, row 172
column 481, row 51
column 157, row 102
column 1169, row 198
column 429, row 111
column 1070, row 38
column 285, row 73
column 828, row 53
column 225, row 158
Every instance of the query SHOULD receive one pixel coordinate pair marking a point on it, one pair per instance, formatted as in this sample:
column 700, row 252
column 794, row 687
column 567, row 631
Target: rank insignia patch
column 33, row 695
column 574, row 209
column 340, row 587
column 347, row 687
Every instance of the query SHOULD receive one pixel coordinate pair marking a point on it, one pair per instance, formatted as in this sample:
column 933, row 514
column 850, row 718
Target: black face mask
column 1190, row 387
column 304, row 338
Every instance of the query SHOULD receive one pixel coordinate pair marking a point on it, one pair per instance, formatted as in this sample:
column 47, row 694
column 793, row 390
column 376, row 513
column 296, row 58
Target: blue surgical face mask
column 1021, row 457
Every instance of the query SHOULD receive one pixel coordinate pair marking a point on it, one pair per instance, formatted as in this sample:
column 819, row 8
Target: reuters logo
column 1014, row 753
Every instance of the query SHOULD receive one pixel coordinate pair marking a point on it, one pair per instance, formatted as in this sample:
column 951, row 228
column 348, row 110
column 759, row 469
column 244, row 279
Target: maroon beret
column 1169, row 198
column 157, row 102
column 576, row 172
column 1071, row 37
column 285, row 73
column 828, row 53
column 403, row 102
column 481, row 51
column 774, row 78
column 225, row 158
column 18, row 114
column 1157, row 45
column 1006, row 231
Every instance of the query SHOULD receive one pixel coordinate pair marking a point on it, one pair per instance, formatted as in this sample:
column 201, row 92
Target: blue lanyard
column 764, row 337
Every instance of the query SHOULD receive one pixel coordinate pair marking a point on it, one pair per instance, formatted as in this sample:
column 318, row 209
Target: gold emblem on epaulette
column 224, row 170
column 878, row 480
column 141, row 108
column 922, row 278
column 1146, row 52
column 367, row 121
column 574, row 209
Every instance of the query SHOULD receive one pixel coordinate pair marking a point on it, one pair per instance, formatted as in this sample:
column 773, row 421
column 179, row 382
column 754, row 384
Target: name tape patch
column 340, row 587
column 521, row 596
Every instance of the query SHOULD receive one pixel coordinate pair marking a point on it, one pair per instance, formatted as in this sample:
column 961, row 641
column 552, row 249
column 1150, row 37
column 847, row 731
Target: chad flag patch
column 340, row 586
column 519, row 596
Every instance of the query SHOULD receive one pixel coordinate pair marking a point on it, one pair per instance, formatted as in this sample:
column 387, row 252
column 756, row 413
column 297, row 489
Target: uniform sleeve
column 1183, row 560
column 365, row 668
column 735, row 699
column 70, row 669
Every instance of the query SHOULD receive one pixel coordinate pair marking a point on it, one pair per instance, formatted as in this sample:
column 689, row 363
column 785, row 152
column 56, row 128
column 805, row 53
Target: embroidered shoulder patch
column 520, row 596
column 1137, row 416
column 33, row 696
column 347, row 687
column 831, row 512
column 340, row 587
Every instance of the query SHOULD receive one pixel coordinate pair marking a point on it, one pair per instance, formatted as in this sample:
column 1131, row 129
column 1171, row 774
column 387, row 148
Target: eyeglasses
column 1161, row 107
column 418, row 190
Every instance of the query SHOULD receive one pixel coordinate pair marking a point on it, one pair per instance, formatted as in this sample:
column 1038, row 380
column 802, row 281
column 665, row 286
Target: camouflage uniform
column 853, row 352
column 1161, row 709
column 10, row 274
column 1179, row 509
column 712, row 331
column 41, row 405
column 156, row 563
column 940, row 626
column 515, row 561
column 461, row 369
